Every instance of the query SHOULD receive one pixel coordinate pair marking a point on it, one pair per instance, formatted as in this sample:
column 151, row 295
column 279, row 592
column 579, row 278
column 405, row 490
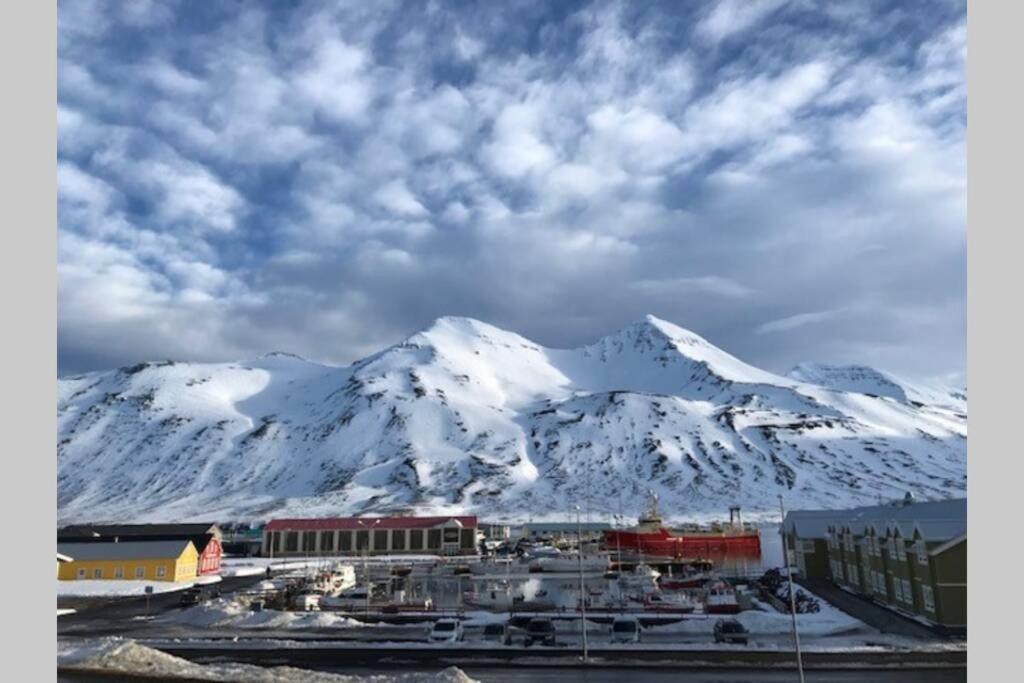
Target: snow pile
column 230, row 613
column 465, row 417
column 116, row 656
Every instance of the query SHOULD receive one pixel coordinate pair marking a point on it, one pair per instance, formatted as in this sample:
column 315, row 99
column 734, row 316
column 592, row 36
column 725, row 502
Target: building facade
column 370, row 536
column 128, row 561
column 206, row 537
column 909, row 557
column 564, row 531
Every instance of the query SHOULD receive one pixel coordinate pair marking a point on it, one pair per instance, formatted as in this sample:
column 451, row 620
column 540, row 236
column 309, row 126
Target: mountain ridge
column 466, row 417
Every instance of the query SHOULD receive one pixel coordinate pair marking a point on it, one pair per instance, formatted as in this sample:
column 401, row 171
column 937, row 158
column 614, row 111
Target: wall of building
column 354, row 542
column 173, row 569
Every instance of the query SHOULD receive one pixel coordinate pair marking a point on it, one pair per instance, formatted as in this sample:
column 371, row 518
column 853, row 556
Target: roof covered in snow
column 940, row 520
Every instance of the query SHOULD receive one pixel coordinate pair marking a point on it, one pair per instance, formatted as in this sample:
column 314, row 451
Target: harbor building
column 370, row 536
column 128, row 560
column 564, row 531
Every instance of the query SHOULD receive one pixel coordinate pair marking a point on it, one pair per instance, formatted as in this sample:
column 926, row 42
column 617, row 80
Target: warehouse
column 205, row 536
column 128, row 560
column 370, row 536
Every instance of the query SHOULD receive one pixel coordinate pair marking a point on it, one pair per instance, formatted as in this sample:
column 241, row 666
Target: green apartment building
column 910, row 557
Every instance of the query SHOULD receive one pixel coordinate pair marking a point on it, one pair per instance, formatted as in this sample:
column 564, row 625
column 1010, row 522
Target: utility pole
column 792, row 596
column 583, row 594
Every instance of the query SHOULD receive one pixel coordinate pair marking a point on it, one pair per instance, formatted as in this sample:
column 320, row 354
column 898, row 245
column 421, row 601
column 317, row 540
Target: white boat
column 567, row 562
column 308, row 600
column 643, row 578
column 354, row 598
column 720, row 598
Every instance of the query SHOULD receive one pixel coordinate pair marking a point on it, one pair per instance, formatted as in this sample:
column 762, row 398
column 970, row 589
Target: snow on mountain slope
column 871, row 381
column 468, row 417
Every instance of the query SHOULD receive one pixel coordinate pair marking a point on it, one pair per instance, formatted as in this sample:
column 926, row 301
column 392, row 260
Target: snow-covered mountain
column 467, row 417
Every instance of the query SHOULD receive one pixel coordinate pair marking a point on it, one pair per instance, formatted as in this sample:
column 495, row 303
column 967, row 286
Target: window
column 922, row 552
column 901, row 550
column 81, row 573
column 897, row 589
column 398, row 539
column 345, row 541
column 140, row 572
column 416, row 539
column 928, row 597
column 97, row 573
column 362, row 539
column 807, row 546
column 291, row 542
column 309, row 541
column 380, row 539
column 853, row 574
column 451, row 535
column 433, row 539
column 118, row 572
column 327, row 540
column 468, row 539
column 161, row 572
column 908, row 595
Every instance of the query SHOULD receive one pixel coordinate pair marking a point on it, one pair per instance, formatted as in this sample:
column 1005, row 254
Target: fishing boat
column 500, row 598
column 720, row 598
column 569, row 563
column 650, row 539
column 678, row 583
column 356, row 597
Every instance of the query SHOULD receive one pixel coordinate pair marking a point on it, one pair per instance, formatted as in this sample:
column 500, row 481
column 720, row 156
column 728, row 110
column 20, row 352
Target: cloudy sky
column 787, row 179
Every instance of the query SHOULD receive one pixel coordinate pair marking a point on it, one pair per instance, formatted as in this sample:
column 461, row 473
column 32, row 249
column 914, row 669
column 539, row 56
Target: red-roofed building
column 371, row 535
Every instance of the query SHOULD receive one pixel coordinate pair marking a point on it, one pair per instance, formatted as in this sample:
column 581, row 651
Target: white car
column 447, row 631
column 625, row 630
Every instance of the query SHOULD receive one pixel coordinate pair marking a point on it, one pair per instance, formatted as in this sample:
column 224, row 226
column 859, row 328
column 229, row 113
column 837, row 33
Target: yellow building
column 129, row 560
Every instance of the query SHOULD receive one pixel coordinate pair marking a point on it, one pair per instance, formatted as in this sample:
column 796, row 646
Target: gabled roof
column 64, row 558
column 125, row 550
column 360, row 523
column 936, row 520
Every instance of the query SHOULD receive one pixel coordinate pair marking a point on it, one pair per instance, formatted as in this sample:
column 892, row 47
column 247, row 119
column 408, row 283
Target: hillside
column 467, row 417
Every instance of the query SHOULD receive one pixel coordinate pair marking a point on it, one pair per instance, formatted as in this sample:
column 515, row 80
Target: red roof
column 328, row 523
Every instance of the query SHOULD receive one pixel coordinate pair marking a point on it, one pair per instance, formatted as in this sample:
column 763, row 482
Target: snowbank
column 114, row 656
column 220, row 612
column 767, row 622
column 117, row 588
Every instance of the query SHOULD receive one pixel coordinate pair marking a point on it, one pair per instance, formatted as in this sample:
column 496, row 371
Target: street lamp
column 583, row 594
column 366, row 557
column 792, row 594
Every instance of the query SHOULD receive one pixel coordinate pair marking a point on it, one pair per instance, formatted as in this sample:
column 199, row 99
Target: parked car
column 447, row 631
column 625, row 630
column 198, row 594
column 731, row 631
column 498, row 633
column 540, row 631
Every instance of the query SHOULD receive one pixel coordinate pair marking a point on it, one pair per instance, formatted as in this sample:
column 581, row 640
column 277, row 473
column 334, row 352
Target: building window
column 922, row 552
column 327, row 541
column 897, row 590
column 140, row 572
column 928, row 598
column 807, row 547
column 380, row 539
column 345, row 541
column 908, row 596
column 451, row 535
column 901, row 550
column 468, row 539
column 118, row 572
column 309, row 541
column 161, row 572
column 433, row 539
column 398, row 539
column 362, row 540
column 97, row 573
column 291, row 542
column 416, row 539
column 81, row 573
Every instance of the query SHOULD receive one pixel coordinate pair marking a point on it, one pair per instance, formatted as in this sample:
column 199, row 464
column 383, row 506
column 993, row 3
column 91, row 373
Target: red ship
column 650, row 540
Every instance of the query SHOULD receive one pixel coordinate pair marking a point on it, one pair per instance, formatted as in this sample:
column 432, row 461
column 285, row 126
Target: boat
column 650, row 539
column 499, row 598
column 643, row 578
column 308, row 600
column 566, row 562
column 356, row 597
column 678, row 583
column 659, row 602
column 720, row 598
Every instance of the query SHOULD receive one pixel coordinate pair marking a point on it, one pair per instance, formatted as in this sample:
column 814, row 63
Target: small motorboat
column 720, row 598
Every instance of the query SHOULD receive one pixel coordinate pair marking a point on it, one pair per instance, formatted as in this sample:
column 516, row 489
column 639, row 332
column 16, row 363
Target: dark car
column 731, row 631
column 198, row 594
column 540, row 631
column 498, row 633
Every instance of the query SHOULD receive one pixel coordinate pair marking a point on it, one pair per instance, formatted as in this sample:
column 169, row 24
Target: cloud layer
column 785, row 178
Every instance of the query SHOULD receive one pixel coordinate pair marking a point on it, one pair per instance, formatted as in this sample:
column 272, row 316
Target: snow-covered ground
column 466, row 417
column 117, row 656
column 127, row 588
column 222, row 613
